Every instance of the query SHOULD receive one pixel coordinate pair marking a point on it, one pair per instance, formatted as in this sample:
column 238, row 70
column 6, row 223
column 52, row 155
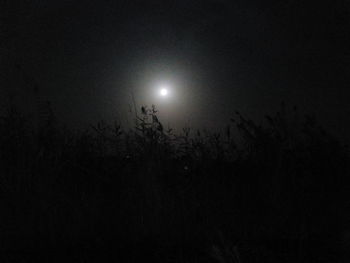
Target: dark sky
column 217, row 57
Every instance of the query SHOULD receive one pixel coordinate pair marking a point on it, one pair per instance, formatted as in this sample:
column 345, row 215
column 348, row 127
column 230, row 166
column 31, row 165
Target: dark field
column 253, row 193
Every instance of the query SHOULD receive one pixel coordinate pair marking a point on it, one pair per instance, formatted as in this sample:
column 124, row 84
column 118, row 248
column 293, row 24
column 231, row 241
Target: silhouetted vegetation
column 274, row 193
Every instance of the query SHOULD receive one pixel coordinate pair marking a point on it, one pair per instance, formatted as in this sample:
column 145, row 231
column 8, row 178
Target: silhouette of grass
column 278, row 191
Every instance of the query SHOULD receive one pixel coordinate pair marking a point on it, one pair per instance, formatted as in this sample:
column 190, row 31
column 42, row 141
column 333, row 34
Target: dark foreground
column 272, row 193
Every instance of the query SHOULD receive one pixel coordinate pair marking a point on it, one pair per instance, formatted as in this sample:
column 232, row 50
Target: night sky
column 88, row 57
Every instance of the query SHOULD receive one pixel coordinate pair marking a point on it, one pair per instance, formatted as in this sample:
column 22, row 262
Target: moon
column 163, row 92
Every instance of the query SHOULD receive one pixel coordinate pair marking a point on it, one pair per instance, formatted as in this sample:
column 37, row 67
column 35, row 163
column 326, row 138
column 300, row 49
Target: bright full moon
column 163, row 92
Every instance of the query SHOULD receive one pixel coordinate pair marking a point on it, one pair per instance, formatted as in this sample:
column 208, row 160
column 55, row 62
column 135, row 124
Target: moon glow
column 163, row 92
